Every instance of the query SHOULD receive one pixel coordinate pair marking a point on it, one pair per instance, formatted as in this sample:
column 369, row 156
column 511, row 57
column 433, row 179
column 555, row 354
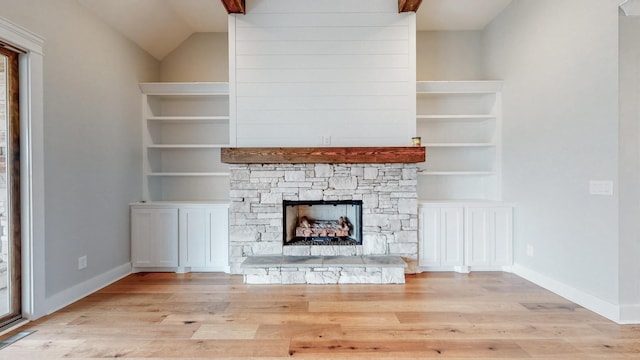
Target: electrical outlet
column 326, row 140
column 529, row 251
column 82, row 262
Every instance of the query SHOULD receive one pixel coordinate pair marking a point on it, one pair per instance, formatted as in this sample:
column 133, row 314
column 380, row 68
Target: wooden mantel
column 324, row 155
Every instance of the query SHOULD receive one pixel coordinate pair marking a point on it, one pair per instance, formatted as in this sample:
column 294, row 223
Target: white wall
column 449, row 55
column 629, row 170
column 202, row 57
column 91, row 140
column 325, row 69
column 559, row 60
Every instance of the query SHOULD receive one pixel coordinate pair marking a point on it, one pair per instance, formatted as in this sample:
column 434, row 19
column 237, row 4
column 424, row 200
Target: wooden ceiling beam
column 408, row 5
column 235, row 6
column 238, row 7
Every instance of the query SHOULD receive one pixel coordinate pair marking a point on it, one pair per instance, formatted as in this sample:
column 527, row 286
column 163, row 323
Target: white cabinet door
column 204, row 236
column 478, row 235
column 217, row 246
column 154, row 237
column 451, row 236
column 441, row 236
column 488, row 236
column 194, row 230
column 429, row 227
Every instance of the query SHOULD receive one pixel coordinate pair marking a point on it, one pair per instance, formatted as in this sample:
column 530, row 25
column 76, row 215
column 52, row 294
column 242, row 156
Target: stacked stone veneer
column 389, row 213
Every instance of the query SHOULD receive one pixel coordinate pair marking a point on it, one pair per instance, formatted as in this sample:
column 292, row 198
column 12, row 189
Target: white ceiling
column 159, row 26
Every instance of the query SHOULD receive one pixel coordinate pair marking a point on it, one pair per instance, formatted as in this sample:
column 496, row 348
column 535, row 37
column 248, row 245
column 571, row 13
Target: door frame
column 32, row 170
column 12, row 168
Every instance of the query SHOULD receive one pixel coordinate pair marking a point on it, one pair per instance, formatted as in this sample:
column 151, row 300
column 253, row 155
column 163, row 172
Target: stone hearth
column 324, row 270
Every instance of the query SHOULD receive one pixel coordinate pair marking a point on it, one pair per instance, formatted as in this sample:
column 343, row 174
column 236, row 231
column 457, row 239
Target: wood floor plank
column 114, row 319
column 256, row 306
column 299, row 331
column 546, row 307
column 611, row 330
column 530, row 317
column 466, row 331
column 115, row 331
column 214, row 349
column 552, row 348
column 378, row 319
column 428, row 317
column 485, row 316
column 411, row 306
column 39, row 349
column 225, row 332
column 422, row 348
column 607, row 347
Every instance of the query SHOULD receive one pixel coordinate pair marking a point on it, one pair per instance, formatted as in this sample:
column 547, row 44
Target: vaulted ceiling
column 159, row 26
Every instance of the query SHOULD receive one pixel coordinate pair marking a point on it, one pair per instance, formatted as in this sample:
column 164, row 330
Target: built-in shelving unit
column 460, row 125
column 182, row 222
column 463, row 224
column 184, row 127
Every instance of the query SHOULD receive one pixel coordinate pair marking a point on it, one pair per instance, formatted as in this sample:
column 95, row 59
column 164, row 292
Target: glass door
column 10, row 265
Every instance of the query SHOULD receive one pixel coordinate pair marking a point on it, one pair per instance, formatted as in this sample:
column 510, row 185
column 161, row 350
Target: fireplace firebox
column 322, row 222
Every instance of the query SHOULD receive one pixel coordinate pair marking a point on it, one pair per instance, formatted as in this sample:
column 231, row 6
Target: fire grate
column 323, row 241
column 322, row 222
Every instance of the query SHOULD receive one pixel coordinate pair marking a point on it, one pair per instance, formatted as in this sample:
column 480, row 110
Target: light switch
column 601, row 187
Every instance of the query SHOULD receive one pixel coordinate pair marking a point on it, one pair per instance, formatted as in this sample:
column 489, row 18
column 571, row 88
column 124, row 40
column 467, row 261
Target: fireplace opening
column 322, row 222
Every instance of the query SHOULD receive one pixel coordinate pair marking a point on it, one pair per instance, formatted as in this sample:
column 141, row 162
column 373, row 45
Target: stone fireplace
column 386, row 190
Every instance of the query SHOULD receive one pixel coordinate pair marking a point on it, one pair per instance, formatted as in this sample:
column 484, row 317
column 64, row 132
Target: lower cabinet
column 442, row 236
column 203, row 236
column 464, row 237
column 489, row 236
column 154, row 237
column 179, row 237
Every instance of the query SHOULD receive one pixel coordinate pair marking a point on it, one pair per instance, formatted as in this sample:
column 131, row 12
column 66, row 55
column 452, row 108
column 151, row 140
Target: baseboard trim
column 630, row 314
column 183, row 269
column 77, row 292
column 620, row 314
column 463, row 269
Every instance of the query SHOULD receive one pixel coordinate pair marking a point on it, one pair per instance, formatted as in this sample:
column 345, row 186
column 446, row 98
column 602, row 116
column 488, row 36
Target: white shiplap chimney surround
column 322, row 73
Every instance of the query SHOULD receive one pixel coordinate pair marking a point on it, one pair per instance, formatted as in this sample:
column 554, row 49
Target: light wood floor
column 434, row 315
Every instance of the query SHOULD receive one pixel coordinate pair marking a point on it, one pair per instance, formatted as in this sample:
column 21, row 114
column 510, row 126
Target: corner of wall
column 77, row 292
column 621, row 314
